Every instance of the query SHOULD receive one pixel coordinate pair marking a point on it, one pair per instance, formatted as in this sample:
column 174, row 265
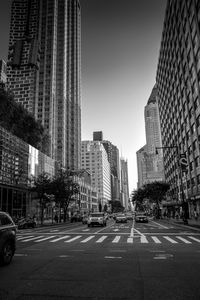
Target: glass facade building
column 18, row 162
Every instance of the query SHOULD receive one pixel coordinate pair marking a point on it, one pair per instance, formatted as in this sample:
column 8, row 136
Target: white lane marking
column 183, row 240
column 44, row 239
column 194, row 239
column 20, row 254
column 31, row 239
column 143, row 239
column 101, row 239
column 73, row 239
column 88, row 239
column 170, row 239
column 116, row 229
column 156, row 240
column 60, row 238
column 130, row 240
column 85, row 229
column 24, row 237
column 116, row 239
column 113, row 257
column 160, row 225
column 54, row 230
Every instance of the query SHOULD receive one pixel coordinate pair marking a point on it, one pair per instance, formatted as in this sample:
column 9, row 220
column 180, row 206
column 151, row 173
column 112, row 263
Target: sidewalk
column 191, row 223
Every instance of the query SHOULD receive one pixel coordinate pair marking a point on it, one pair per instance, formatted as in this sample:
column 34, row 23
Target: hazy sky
column 120, row 48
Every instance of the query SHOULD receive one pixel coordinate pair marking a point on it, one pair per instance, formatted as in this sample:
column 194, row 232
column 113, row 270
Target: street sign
column 183, row 162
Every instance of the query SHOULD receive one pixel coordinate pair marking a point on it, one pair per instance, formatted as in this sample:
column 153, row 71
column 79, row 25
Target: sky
column 120, row 47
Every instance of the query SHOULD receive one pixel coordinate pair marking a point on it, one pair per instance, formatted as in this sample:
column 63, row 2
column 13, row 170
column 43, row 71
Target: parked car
column 26, row 223
column 121, row 218
column 7, row 238
column 96, row 219
column 141, row 217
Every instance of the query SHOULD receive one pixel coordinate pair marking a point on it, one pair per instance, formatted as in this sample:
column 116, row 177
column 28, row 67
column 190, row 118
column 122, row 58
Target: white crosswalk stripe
column 88, row 239
column 170, row 240
column 60, row 238
column 156, row 240
column 143, row 239
column 73, row 239
column 116, row 239
column 101, row 239
column 194, row 239
column 24, row 237
column 183, row 240
column 44, row 239
column 33, row 238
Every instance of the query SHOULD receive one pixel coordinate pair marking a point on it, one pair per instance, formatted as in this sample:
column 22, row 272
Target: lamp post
column 181, row 167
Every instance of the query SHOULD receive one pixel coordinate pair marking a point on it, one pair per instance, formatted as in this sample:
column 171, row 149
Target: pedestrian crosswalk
column 98, row 239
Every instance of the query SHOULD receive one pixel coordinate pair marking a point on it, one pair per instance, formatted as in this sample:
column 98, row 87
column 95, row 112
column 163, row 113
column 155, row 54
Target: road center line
column 160, row 225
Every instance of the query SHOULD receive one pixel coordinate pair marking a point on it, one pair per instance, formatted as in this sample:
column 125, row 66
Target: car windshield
column 96, row 215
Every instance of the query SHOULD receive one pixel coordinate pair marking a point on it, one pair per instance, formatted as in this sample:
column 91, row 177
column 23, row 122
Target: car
column 76, row 217
column 121, row 218
column 7, row 238
column 26, row 223
column 97, row 218
column 141, row 217
column 129, row 216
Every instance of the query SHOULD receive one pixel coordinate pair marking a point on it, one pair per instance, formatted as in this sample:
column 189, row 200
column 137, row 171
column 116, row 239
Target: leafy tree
column 42, row 187
column 64, row 189
column 16, row 119
column 116, row 206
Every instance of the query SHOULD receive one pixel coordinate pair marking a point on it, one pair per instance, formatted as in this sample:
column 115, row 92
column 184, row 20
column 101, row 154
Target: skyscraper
column 178, row 82
column 44, row 70
column 124, row 183
column 150, row 163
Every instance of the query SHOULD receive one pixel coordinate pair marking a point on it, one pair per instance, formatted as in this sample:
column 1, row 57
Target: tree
column 116, row 206
column 16, row 119
column 154, row 192
column 64, row 189
column 42, row 187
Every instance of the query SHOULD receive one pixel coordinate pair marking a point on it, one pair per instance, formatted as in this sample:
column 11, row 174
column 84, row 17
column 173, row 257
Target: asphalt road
column 158, row 260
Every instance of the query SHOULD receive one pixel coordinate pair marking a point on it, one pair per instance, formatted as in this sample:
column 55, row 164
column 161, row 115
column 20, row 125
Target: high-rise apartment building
column 44, row 69
column 178, row 82
column 95, row 160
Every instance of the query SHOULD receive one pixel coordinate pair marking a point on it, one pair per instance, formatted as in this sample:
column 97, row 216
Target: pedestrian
column 196, row 215
column 56, row 218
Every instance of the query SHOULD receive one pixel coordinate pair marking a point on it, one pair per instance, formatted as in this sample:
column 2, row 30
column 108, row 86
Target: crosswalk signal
column 183, row 163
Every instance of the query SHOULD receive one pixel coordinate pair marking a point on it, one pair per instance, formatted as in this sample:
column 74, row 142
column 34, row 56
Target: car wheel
column 7, row 253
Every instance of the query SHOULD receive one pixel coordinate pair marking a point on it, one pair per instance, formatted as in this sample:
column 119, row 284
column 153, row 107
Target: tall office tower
column 124, row 183
column 3, row 76
column 97, row 136
column 95, row 160
column 178, row 82
column 152, row 122
column 44, row 67
column 141, row 166
column 113, row 158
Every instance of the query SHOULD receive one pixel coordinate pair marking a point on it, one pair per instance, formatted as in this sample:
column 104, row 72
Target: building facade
column 124, row 184
column 18, row 163
column 3, row 72
column 95, row 161
column 178, row 83
column 149, row 161
column 44, row 70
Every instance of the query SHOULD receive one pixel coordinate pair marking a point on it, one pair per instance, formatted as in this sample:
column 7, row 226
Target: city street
column 157, row 260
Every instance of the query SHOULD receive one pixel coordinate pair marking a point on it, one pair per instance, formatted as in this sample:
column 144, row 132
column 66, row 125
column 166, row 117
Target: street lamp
column 182, row 167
